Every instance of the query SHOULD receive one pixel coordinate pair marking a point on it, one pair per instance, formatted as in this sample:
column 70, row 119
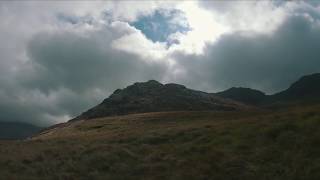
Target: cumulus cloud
column 257, row 16
column 66, row 68
column 60, row 58
column 266, row 62
column 75, row 72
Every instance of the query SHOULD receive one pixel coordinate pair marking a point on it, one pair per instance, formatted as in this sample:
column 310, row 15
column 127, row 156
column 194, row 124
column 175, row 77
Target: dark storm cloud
column 266, row 62
column 23, row 105
column 67, row 73
column 83, row 63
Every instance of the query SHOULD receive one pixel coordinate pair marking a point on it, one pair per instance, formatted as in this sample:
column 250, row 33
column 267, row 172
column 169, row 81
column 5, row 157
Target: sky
column 58, row 59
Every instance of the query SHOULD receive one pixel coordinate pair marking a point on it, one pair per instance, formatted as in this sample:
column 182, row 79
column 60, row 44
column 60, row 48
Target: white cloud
column 204, row 29
column 131, row 10
column 59, row 58
column 138, row 44
column 134, row 41
column 256, row 16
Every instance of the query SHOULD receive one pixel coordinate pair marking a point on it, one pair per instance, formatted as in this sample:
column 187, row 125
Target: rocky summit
column 153, row 96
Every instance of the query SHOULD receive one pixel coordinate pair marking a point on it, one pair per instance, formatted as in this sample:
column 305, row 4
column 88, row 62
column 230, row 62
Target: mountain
column 245, row 95
column 153, row 96
column 260, row 143
column 17, row 130
column 307, row 87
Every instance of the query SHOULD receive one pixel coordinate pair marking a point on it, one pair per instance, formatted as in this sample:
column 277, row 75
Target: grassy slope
column 176, row 145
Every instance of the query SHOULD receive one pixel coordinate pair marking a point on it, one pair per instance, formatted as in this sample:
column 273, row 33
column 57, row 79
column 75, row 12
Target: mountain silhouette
column 245, row 95
column 153, row 96
column 305, row 88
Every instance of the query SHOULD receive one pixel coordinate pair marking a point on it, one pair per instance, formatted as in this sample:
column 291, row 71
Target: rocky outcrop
column 153, row 96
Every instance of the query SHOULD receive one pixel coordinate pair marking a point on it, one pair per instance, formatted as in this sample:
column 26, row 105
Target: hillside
column 193, row 135
column 305, row 88
column 173, row 145
column 153, row 96
column 16, row 130
column 244, row 95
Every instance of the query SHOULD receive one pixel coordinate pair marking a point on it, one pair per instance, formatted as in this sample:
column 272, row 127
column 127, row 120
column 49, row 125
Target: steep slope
column 16, row 130
column 245, row 95
column 153, row 96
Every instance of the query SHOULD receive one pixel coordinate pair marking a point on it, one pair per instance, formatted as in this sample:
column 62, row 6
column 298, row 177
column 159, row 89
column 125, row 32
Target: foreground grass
column 177, row 145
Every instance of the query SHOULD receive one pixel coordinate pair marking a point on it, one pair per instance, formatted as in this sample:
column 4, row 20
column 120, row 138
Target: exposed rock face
column 244, row 95
column 153, row 96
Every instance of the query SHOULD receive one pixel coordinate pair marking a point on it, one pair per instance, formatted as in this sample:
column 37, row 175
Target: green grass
column 177, row 145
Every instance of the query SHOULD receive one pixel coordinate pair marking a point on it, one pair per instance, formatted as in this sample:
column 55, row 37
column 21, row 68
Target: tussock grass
column 253, row 145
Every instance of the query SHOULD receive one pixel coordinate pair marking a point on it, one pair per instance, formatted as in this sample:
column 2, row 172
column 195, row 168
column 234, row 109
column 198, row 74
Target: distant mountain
column 153, row 96
column 306, row 89
column 17, row 130
column 245, row 95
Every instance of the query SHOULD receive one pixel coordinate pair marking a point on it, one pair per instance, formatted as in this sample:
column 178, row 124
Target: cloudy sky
column 58, row 59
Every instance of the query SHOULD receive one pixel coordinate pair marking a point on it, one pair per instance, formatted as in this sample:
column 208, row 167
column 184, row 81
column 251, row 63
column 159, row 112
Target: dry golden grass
column 282, row 144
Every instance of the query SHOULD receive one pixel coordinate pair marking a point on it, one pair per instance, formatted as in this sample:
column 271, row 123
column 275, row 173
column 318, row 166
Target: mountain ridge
column 307, row 86
column 152, row 96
